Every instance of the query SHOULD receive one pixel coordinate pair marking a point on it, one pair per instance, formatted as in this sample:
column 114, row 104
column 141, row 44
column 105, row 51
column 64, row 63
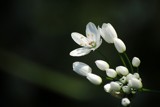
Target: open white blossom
column 81, row 68
column 136, row 61
column 108, row 32
column 95, row 79
column 119, row 45
column 91, row 42
column 102, row 65
column 125, row 102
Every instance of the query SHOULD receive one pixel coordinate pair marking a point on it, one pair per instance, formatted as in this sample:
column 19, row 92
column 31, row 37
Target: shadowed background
column 35, row 66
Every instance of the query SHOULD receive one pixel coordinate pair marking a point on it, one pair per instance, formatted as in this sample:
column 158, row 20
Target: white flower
column 136, row 61
column 81, row 68
column 102, row 65
column 111, row 73
column 125, row 102
column 119, row 45
column 93, row 78
column 122, row 70
column 108, row 32
column 135, row 83
column 89, row 43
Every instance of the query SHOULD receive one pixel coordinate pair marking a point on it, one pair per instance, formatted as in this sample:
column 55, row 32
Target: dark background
column 35, row 66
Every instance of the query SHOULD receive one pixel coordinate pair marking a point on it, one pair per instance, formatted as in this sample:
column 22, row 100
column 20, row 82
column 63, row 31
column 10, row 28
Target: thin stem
column 122, row 60
column 149, row 90
column 129, row 62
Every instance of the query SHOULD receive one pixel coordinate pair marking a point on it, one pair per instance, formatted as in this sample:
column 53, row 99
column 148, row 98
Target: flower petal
column 80, row 52
column 92, row 32
column 79, row 39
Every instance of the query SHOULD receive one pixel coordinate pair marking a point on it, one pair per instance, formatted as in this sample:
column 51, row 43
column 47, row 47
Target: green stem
column 120, row 55
column 149, row 90
column 129, row 62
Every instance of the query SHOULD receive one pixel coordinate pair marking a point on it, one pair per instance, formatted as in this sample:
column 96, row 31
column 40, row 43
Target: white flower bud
column 108, row 32
column 122, row 70
column 123, row 80
column 93, row 78
column 107, row 88
column 81, row 68
column 115, row 86
column 119, row 45
column 111, row 73
column 135, row 83
column 126, row 89
column 129, row 77
column 125, row 102
column 136, row 61
column 102, row 65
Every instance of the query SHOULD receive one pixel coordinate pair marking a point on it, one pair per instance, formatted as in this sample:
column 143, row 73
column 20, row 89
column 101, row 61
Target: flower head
column 89, row 42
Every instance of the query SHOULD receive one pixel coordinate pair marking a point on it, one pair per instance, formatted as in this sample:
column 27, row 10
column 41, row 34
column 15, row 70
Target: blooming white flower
column 136, row 61
column 125, row 102
column 108, row 32
column 93, row 78
column 111, row 73
column 91, row 42
column 122, row 70
column 119, row 45
column 102, row 65
column 135, row 83
column 81, row 68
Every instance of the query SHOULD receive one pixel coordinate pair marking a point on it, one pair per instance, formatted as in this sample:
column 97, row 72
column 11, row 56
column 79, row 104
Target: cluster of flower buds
column 124, row 81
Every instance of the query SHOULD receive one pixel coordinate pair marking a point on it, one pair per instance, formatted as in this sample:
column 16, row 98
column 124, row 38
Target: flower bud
column 135, row 83
column 108, row 32
column 81, row 68
column 136, row 62
column 115, row 86
column 93, row 78
column 107, row 88
column 125, row 102
column 119, row 45
column 122, row 70
column 111, row 73
column 102, row 65
column 126, row 89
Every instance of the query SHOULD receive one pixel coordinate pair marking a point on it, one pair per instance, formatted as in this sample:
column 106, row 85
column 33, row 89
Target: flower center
column 92, row 44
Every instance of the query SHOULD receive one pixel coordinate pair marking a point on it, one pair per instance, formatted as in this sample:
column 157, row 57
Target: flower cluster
column 124, row 80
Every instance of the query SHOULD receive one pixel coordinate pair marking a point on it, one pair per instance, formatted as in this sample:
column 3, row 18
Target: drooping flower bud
column 122, row 70
column 95, row 79
column 125, row 102
column 102, row 65
column 111, row 73
column 108, row 32
column 81, row 68
column 119, row 45
column 136, row 61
